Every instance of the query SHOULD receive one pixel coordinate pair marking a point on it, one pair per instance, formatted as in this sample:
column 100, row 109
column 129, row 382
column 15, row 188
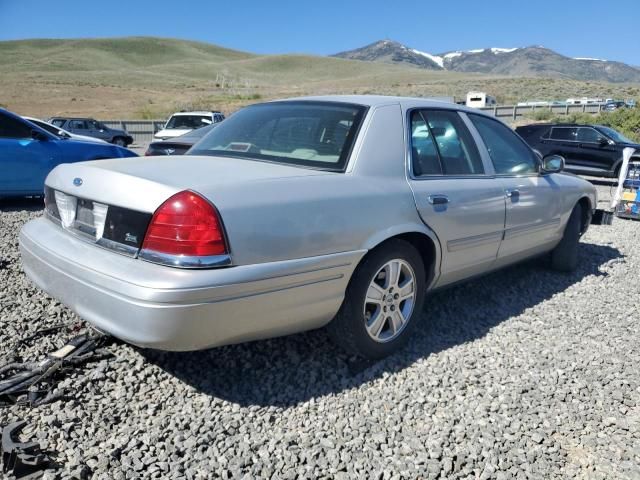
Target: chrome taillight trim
column 185, row 261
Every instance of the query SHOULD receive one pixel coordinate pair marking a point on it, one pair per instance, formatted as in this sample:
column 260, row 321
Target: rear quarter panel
column 309, row 215
column 318, row 215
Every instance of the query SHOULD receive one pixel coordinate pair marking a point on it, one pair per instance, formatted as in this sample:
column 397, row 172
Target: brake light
column 186, row 225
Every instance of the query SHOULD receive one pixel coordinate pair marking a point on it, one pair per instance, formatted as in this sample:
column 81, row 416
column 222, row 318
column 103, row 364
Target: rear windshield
column 198, row 133
column 189, row 121
column 313, row 134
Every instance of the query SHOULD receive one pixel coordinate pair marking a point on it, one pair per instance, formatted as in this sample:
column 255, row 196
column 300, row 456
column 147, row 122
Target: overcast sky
column 574, row 28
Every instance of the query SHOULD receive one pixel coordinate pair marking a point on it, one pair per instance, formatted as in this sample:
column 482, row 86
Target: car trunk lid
column 111, row 202
column 144, row 183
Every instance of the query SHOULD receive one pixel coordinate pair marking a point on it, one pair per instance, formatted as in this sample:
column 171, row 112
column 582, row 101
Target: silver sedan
column 292, row 215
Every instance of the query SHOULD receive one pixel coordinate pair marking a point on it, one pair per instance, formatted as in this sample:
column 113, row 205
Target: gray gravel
column 522, row 374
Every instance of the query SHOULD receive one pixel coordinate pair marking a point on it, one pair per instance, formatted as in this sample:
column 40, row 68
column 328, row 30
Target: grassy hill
column 142, row 77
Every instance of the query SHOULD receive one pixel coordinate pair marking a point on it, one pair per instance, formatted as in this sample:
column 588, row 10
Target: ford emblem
column 77, row 181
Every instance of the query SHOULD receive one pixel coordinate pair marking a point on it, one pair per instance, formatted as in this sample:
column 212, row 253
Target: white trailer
column 480, row 99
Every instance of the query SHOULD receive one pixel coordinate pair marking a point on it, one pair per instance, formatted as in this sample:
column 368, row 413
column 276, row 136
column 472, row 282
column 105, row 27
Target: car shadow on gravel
column 287, row 371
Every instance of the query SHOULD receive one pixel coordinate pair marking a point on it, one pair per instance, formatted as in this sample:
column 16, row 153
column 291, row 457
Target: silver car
column 292, row 215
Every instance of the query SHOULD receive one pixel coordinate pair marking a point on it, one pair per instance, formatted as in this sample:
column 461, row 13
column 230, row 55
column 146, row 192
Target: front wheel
column 121, row 142
column 383, row 301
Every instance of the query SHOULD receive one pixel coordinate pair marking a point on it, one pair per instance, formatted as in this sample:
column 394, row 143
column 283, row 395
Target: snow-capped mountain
column 517, row 61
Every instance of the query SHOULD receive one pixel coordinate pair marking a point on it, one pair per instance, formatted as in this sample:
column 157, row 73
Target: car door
column 597, row 152
column 93, row 129
column 79, row 127
column 455, row 193
column 24, row 161
column 564, row 141
column 533, row 206
column 98, row 130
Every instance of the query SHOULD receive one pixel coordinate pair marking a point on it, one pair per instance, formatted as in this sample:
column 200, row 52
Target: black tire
column 349, row 329
column 564, row 258
column 121, row 142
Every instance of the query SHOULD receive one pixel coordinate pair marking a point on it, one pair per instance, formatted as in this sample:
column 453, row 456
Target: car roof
column 548, row 125
column 72, row 118
column 381, row 100
column 199, row 112
column 31, row 119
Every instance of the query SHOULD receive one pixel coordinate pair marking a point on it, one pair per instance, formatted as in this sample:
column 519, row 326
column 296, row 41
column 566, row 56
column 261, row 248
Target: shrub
column 540, row 115
column 625, row 120
column 147, row 113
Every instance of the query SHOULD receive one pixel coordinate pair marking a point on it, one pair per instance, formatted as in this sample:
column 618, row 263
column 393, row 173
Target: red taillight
column 186, row 224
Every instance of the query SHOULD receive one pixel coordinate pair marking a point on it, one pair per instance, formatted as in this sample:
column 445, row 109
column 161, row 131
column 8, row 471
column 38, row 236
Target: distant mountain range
column 522, row 61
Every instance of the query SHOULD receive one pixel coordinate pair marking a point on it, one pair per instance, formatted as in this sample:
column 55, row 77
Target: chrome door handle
column 438, row 199
column 512, row 193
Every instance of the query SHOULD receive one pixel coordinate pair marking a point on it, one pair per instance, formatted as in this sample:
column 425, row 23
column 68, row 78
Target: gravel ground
column 525, row 373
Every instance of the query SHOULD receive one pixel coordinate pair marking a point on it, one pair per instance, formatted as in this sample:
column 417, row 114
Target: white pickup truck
column 183, row 122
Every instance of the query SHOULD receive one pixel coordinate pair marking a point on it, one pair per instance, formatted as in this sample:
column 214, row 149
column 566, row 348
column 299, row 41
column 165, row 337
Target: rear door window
column 78, row 125
column 564, row 133
column 441, row 144
column 423, row 148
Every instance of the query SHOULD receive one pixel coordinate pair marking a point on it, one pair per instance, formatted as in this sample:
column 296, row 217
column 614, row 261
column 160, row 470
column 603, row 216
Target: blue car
column 28, row 153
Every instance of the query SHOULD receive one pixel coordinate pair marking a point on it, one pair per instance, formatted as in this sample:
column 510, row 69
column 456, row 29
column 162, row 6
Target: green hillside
column 109, row 54
column 147, row 77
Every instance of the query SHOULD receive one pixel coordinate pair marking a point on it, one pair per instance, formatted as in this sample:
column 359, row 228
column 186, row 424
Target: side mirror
column 552, row 164
column 36, row 135
column 603, row 142
column 538, row 154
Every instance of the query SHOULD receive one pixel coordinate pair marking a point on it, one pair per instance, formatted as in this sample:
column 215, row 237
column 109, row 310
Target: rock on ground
column 525, row 373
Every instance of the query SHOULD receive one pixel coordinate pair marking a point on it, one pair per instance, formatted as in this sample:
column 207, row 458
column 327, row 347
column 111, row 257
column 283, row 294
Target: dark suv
column 93, row 128
column 587, row 149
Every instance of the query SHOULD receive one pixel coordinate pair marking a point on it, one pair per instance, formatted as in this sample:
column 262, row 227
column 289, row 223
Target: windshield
column 188, row 121
column 50, row 128
column 615, row 135
column 314, row 134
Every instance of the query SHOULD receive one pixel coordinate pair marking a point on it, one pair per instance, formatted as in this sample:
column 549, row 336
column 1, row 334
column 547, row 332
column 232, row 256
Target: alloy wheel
column 390, row 300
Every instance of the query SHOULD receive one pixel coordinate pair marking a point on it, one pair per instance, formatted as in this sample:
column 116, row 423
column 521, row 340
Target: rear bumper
column 172, row 309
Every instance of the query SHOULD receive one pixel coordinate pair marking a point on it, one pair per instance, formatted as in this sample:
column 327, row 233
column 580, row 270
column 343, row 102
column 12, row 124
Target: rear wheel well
column 423, row 244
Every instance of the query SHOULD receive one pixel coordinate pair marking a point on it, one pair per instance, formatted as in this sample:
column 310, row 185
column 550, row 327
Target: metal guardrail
column 140, row 130
column 515, row 111
column 143, row 130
